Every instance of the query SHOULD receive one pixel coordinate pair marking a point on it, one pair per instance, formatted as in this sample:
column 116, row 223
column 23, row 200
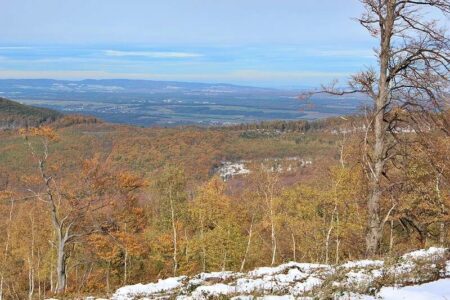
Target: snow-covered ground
column 439, row 289
column 422, row 274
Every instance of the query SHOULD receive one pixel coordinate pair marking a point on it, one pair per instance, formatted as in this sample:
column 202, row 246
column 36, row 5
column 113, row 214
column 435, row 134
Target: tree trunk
column 374, row 233
column 39, row 274
column 202, row 236
column 51, row 274
column 373, row 237
column 327, row 240
column 338, row 241
column 442, row 230
column 273, row 236
column 186, row 250
column 61, row 237
column 294, row 247
column 269, row 199
column 125, row 267
column 391, row 237
column 31, row 263
column 107, row 277
column 61, row 267
column 5, row 254
column 61, row 240
column 30, row 279
column 247, row 249
column 174, row 229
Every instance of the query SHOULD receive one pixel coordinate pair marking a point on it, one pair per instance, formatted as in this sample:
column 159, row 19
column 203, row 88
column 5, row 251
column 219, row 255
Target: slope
column 15, row 115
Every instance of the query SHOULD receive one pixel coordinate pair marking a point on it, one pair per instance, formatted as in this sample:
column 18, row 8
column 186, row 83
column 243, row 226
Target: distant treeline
column 70, row 120
column 296, row 126
column 16, row 115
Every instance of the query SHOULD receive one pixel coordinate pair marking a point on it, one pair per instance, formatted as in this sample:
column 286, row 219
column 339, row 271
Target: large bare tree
column 411, row 78
column 71, row 213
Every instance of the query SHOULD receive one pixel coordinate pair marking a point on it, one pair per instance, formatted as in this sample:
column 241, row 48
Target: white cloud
column 75, row 74
column 346, row 53
column 151, row 54
column 280, row 75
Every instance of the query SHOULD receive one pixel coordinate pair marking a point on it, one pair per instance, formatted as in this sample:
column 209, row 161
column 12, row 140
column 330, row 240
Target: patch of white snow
column 429, row 253
column 215, row 290
column 439, row 289
column 366, row 263
column 130, row 292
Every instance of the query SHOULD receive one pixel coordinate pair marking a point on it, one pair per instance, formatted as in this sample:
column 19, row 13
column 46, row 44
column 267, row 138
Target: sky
column 276, row 43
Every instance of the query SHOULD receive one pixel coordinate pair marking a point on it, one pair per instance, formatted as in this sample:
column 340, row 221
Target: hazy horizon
column 259, row 43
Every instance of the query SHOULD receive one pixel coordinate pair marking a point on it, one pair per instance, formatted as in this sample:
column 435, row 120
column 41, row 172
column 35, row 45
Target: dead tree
column 411, row 78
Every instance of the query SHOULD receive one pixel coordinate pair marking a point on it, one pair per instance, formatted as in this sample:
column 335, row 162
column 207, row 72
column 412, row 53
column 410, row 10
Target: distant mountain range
column 125, row 86
column 147, row 102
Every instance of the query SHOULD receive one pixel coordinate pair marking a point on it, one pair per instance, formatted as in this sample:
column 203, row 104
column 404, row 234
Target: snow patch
column 215, row 290
column 366, row 263
column 432, row 252
column 439, row 289
column 130, row 292
column 351, row 280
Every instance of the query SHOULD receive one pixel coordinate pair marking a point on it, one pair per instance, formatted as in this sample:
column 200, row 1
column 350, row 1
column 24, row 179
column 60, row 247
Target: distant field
column 147, row 103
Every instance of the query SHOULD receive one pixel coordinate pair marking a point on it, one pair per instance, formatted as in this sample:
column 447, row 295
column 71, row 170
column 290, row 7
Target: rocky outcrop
column 363, row 279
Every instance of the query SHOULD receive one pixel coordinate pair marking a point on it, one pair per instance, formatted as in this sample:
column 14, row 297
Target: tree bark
column 327, row 240
column 174, row 229
column 5, row 255
column 58, row 224
column 338, row 241
column 374, row 233
column 273, row 235
column 294, row 247
column 125, row 267
column 442, row 231
column 247, row 249
column 30, row 279
column 31, row 263
column 60, row 267
column 186, row 252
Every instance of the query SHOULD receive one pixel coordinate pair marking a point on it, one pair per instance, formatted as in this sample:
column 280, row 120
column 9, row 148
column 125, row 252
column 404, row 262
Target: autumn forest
column 130, row 205
column 88, row 206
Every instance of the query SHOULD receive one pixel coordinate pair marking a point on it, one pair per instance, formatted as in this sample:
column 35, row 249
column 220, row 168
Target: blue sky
column 279, row 43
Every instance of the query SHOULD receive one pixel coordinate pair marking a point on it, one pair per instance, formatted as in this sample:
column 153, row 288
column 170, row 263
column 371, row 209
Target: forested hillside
column 16, row 115
column 87, row 206
column 93, row 206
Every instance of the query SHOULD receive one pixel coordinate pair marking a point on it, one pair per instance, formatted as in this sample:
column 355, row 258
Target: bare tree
column 68, row 213
column 267, row 189
column 171, row 187
column 7, row 241
column 247, row 249
column 412, row 79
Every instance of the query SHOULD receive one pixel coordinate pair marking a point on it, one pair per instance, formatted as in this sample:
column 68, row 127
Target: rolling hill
column 14, row 115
